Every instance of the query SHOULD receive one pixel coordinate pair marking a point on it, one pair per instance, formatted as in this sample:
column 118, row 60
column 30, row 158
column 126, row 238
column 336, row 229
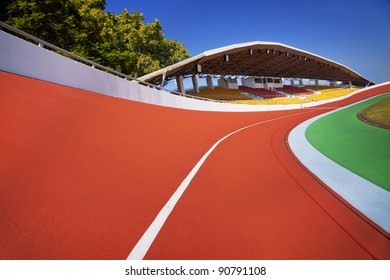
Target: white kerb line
column 141, row 248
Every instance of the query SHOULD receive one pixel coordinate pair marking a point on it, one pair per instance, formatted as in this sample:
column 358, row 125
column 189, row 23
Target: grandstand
column 296, row 91
column 273, row 101
column 261, row 96
column 331, row 93
column 259, row 65
column 261, row 92
column 219, row 93
column 321, row 88
column 281, row 96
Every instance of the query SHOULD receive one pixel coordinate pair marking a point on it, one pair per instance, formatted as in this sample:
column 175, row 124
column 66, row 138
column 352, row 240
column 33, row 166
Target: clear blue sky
column 355, row 33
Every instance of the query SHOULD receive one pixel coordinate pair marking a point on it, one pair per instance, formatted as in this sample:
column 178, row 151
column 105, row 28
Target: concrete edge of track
column 370, row 199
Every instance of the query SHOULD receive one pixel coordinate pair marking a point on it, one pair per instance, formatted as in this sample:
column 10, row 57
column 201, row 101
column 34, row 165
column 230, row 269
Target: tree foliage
column 122, row 42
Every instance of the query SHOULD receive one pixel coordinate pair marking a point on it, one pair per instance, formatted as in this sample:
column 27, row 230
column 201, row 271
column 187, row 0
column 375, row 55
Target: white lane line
column 141, row 248
column 367, row 197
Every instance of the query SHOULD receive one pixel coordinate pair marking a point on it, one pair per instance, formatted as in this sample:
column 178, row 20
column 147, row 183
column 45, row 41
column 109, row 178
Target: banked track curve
column 84, row 175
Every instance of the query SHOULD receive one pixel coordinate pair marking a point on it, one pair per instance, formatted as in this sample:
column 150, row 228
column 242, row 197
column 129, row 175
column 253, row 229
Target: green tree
column 122, row 42
column 88, row 38
column 146, row 44
column 54, row 21
column 3, row 9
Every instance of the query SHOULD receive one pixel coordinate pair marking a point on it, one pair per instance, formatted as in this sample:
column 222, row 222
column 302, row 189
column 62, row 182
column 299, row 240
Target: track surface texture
column 82, row 176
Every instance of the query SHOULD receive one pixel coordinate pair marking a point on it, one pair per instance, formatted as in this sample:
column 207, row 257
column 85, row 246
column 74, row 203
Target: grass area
column 379, row 113
column 361, row 148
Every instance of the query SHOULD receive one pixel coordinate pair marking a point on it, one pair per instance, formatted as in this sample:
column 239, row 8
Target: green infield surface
column 359, row 147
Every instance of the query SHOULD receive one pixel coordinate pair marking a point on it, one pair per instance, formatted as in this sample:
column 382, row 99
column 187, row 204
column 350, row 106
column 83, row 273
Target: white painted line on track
column 367, row 197
column 141, row 248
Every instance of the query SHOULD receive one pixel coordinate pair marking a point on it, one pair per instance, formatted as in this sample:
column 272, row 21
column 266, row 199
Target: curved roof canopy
column 262, row 59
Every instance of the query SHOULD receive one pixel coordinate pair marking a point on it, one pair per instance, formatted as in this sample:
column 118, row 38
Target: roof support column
column 350, row 84
column 266, row 85
column 317, row 83
column 163, row 79
column 301, row 82
column 195, row 83
column 292, row 82
column 209, row 81
column 180, row 84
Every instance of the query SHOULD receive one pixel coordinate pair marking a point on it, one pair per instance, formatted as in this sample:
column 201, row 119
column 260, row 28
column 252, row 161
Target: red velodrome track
column 83, row 175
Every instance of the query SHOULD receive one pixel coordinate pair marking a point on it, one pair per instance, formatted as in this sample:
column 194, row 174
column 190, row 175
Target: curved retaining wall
column 24, row 58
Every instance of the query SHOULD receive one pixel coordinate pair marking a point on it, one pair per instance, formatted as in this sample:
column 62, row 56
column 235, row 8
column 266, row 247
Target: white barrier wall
column 252, row 82
column 23, row 58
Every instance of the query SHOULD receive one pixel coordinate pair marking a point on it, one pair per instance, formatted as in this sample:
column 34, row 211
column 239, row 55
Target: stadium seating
column 274, row 101
column 323, row 88
column 261, row 92
column 295, row 90
column 219, row 93
column 330, row 93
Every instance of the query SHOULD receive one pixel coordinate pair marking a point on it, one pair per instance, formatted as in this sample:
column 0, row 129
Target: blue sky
column 354, row 33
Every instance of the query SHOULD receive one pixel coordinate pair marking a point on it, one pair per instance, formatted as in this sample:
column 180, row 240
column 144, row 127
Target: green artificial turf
column 357, row 146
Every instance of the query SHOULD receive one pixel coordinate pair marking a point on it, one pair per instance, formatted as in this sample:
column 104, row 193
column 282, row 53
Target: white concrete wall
column 222, row 83
column 273, row 83
column 251, row 82
column 248, row 81
column 232, row 83
column 227, row 83
column 278, row 84
column 23, row 58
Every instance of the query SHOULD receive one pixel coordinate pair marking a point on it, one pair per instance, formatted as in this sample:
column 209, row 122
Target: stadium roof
column 262, row 59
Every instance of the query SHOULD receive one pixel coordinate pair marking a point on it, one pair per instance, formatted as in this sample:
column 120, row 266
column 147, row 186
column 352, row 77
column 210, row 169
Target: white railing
column 43, row 44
